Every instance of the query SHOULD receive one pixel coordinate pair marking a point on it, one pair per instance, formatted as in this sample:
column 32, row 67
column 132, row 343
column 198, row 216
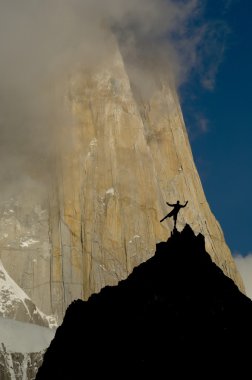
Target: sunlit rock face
column 128, row 154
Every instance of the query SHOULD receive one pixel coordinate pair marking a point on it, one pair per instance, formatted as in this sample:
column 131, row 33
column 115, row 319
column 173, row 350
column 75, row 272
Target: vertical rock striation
column 128, row 155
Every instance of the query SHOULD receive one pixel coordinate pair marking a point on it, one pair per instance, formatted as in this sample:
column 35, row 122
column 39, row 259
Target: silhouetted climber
column 176, row 207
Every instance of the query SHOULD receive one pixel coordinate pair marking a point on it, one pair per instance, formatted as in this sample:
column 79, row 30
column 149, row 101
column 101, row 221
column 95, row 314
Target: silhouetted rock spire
column 174, row 314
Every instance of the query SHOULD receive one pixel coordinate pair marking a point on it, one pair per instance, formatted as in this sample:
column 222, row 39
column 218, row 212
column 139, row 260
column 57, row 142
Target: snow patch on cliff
column 111, row 191
column 9, row 291
column 28, row 242
column 93, row 142
column 12, row 296
column 134, row 238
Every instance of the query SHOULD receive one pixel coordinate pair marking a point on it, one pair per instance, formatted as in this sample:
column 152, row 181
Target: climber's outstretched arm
column 170, row 204
column 185, row 204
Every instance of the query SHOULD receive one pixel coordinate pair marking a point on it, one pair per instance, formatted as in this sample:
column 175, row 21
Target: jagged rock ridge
column 99, row 218
column 129, row 154
column 176, row 313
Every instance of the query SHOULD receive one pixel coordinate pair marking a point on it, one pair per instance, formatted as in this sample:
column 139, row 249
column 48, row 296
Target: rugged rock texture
column 17, row 366
column 15, row 304
column 129, row 154
column 25, row 255
column 176, row 315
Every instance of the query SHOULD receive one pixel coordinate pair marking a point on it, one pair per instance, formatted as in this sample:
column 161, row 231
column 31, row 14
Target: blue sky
column 219, row 122
column 216, row 100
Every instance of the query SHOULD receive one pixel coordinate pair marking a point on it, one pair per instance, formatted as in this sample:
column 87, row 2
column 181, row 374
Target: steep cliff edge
column 176, row 313
column 128, row 154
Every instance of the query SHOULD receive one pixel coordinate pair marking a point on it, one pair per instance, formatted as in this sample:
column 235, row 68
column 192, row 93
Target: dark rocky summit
column 176, row 315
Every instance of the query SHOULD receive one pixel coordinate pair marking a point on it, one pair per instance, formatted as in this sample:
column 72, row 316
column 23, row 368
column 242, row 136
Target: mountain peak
column 177, row 307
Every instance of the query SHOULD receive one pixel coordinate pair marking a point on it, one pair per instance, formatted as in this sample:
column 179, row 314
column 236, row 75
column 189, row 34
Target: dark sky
column 219, row 122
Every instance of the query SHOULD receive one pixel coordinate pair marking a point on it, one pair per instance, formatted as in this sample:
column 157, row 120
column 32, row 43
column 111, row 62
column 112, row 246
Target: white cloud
column 244, row 265
column 202, row 123
column 211, row 51
column 42, row 42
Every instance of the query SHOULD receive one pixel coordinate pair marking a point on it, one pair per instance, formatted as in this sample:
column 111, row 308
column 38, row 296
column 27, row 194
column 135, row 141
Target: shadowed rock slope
column 176, row 314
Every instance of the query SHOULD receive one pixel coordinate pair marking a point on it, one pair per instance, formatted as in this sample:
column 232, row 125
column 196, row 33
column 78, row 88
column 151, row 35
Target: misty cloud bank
column 244, row 265
column 43, row 41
